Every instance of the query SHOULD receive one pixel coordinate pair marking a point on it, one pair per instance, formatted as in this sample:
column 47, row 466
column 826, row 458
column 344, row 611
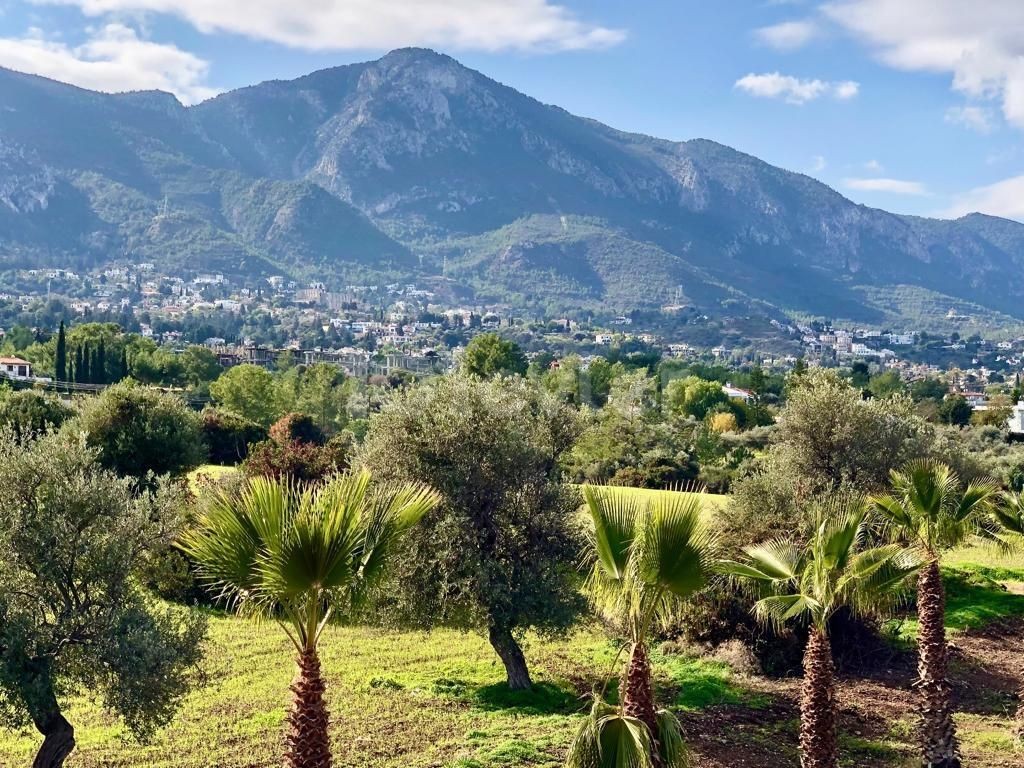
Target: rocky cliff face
column 354, row 166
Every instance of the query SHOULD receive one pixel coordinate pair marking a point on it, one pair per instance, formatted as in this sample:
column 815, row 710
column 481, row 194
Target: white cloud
column 324, row 25
column 788, row 35
column 874, row 166
column 893, row 186
column 113, row 59
column 1004, row 198
column 979, row 43
column 846, row 89
column 976, row 118
column 819, row 164
column 793, row 90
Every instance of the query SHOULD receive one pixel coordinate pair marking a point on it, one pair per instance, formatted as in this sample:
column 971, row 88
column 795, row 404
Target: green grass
column 713, row 501
column 976, row 594
column 410, row 699
column 208, row 472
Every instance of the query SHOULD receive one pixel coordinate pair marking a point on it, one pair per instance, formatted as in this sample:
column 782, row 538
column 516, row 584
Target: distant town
column 377, row 329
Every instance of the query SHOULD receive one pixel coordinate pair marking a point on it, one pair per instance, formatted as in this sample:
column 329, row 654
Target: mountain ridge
column 523, row 202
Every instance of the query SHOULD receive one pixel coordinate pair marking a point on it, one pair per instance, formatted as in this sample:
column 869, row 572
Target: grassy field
column 438, row 698
column 434, row 699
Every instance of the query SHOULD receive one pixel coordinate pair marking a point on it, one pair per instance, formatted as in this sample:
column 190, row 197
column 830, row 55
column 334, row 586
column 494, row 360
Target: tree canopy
column 493, row 555
column 71, row 537
column 488, row 354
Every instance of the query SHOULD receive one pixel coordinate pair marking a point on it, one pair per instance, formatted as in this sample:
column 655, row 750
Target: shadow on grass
column 975, row 598
column 544, row 698
column 693, row 684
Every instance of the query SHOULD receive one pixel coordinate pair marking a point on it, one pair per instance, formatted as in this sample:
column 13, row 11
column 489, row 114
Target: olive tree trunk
column 58, row 734
column 511, row 655
column 58, row 742
column 939, row 746
column 307, row 741
column 819, row 745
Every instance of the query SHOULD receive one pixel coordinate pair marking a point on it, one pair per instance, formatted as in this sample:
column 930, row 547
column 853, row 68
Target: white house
column 735, row 393
column 1015, row 422
column 15, row 368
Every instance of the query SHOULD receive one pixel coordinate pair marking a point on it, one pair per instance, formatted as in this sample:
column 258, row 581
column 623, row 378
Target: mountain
column 414, row 164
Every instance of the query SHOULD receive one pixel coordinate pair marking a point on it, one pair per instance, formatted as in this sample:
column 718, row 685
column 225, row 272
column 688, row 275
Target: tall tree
column 99, row 366
column 60, row 359
column 812, row 581
column 644, row 559
column 488, row 354
column 493, row 557
column 301, row 555
column 71, row 616
column 1009, row 519
column 929, row 508
column 249, row 391
column 79, row 369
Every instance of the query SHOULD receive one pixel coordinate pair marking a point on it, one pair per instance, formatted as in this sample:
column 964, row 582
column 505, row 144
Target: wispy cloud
column 325, row 25
column 794, row 90
column 976, row 118
column 980, row 44
column 788, row 35
column 114, row 58
column 818, row 164
column 1004, row 198
column 874, row 166
column 892, row 186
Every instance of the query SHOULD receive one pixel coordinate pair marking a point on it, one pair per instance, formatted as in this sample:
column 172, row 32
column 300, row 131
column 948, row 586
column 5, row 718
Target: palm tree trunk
column 819, row 746
column 939, row 746
column 1019, row 720
column 637, row 694
column 307, row 742
column 511, row 655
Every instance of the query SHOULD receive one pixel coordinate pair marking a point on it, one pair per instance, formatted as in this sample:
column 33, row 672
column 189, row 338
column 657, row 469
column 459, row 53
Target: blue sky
column 916, row 106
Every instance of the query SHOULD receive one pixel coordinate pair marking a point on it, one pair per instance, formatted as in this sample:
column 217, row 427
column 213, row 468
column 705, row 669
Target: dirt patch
column 877, row 712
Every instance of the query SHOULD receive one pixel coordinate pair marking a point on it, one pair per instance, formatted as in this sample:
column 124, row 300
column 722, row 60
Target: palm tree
column 299, row 555
column 644, row 558
column 1009, row 520
column 929, row 509
column 813, row 581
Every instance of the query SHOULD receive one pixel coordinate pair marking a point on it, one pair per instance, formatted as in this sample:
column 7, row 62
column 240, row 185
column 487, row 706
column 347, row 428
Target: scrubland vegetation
column 508, row 566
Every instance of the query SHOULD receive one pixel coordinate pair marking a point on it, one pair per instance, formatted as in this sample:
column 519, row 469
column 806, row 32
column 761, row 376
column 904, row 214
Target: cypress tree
column 125, row 373
column 60, row 363
column 100, row 365
column 78, row 365
column 85, row 375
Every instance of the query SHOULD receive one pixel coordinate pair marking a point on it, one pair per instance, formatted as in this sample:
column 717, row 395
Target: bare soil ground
column 877, row 724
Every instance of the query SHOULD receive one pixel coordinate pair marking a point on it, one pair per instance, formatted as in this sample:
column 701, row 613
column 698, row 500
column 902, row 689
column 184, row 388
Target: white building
column 1015, row 422
column 15, row 368
column 735, row 393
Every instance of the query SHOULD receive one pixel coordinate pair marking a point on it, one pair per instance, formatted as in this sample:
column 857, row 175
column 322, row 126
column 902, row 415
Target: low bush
column 229, row 436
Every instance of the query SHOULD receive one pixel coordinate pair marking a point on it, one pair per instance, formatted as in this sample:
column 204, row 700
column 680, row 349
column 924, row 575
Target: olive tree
column 71, row 616
column 498, row 554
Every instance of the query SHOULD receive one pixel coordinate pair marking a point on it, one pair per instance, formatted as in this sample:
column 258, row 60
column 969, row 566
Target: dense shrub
column 229, row 436
column 140, row 431
column 27, row 412
column 296, row 427
column 298, row 460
